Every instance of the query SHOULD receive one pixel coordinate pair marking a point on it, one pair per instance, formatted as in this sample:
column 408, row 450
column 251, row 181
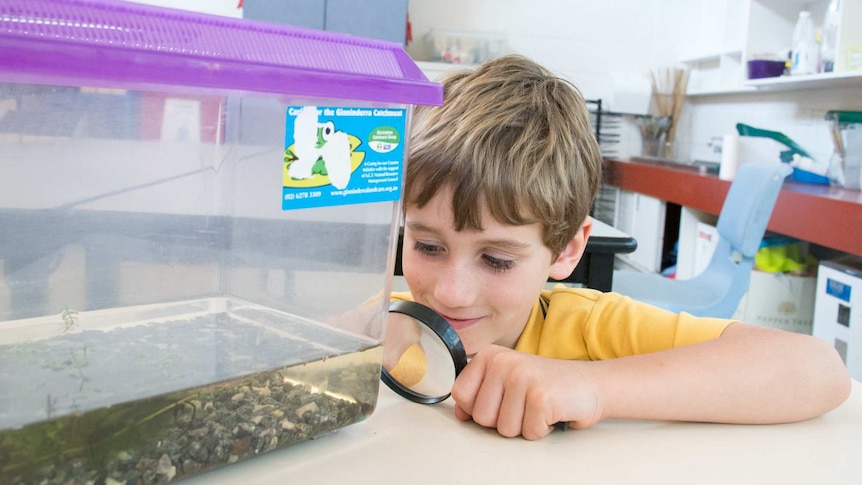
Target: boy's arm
column 748, row 375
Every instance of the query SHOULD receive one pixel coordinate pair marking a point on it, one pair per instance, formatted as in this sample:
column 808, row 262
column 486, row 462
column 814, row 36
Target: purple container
column 758, row 69
column 111, row 43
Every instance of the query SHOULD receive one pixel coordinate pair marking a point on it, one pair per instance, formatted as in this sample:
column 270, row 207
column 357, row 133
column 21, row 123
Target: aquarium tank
column 198, row 223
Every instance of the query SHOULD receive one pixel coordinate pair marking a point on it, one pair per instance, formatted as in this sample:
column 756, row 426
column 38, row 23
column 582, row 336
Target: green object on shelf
column 783, row 255
column 786, row 155
column 844, row 117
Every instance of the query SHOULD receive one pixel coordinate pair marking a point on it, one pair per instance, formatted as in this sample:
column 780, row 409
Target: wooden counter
column 828, row 216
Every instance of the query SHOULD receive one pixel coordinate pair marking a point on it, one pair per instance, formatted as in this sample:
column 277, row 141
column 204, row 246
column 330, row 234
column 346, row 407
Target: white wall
column 798, row 114
column 227, row 8
column 583, row 40
column 587, row 41
column 599, row 44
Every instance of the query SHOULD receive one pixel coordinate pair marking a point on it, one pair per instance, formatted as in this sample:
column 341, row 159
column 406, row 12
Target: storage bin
column 464, row 47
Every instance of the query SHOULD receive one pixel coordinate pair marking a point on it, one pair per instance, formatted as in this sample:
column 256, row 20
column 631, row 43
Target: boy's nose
column 456, row 286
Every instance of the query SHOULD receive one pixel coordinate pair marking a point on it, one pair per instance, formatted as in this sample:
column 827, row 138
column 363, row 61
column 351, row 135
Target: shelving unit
column 751, row 28
column 716, row 73
column 714, row 45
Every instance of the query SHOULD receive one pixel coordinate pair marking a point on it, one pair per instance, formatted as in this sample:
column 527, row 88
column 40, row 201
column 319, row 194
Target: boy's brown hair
column 511, row 135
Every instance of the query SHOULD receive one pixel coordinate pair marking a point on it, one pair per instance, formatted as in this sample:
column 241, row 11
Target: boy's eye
column 428, row 249
column 498, row 264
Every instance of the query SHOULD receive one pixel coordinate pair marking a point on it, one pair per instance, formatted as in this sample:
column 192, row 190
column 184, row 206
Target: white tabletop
column 403, row 442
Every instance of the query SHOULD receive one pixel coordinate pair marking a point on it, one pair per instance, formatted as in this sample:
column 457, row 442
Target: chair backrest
column 741, row 227
column 748, row 205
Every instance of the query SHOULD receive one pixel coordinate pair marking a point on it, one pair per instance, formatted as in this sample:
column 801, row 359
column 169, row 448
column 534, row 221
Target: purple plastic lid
column 112, row 43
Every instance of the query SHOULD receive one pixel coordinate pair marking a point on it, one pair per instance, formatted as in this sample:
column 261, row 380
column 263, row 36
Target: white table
column 409, row 443
column 596, row 268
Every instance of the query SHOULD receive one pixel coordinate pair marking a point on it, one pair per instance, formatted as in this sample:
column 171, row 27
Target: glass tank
column 198, row 220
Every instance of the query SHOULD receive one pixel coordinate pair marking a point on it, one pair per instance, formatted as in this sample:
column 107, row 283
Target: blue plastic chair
column 716, row 292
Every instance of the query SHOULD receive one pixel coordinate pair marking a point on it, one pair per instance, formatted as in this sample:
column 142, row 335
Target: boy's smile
column 485, row 283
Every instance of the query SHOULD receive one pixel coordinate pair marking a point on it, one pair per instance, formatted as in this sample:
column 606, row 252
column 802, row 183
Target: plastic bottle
column 829, row 36
column 806, row 52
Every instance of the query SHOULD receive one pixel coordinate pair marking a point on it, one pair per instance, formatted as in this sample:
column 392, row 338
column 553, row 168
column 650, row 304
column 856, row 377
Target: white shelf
column 811, row 81
column 787, row 83
column 719, row 92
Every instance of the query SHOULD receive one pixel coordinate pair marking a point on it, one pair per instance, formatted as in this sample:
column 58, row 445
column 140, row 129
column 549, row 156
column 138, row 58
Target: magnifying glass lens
column 422, row 354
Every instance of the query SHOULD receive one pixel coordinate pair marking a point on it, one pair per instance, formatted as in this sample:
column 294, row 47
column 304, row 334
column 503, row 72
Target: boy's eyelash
column 428, row 249
column 496, row 264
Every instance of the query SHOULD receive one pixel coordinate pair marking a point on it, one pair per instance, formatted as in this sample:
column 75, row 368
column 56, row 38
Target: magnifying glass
column 422, row 355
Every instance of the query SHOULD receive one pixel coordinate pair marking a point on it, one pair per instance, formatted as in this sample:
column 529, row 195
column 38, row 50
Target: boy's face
column 484, row 283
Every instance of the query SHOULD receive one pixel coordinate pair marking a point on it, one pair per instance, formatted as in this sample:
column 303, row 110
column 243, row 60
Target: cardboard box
column 779, row 300
column 704, row 246
column 838, row 310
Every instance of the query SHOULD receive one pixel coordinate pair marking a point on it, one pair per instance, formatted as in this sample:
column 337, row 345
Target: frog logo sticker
column 320, row 154
column 323, row 164
column 384, row 139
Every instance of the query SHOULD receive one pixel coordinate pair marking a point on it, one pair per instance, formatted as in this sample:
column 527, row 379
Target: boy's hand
column 522, row 394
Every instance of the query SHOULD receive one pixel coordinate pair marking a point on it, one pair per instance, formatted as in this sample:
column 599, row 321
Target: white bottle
column 829, row 36
column 806, row 52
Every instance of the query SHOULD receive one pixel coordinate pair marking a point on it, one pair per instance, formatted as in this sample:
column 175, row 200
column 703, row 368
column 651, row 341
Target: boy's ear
column 571, row 255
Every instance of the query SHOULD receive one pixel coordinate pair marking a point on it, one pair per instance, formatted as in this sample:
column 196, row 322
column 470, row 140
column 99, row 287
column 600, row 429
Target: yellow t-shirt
column 586, row 324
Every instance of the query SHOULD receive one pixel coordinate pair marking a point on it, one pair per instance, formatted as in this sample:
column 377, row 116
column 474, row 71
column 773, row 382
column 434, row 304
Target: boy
column 498, row 187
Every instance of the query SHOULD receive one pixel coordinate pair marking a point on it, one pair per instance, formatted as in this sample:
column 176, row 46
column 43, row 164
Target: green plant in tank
column 70, row 319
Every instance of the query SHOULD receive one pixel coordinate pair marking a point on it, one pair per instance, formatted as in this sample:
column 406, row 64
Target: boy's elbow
column 841, row 385
column 834, row 382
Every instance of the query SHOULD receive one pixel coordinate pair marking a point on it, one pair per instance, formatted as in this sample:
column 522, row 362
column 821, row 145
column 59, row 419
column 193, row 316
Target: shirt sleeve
column 585, row 324
column 400, row 296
